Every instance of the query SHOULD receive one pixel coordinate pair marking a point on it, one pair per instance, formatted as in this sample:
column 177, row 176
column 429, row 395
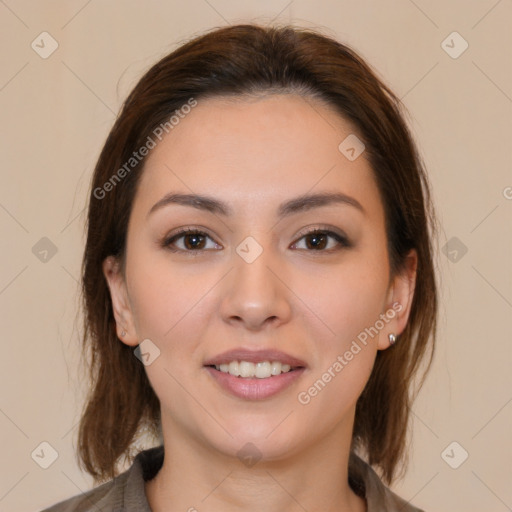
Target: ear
column 120, row 301
column 399, row 300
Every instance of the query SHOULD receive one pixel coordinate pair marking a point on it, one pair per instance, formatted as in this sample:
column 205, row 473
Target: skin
column 310, row 303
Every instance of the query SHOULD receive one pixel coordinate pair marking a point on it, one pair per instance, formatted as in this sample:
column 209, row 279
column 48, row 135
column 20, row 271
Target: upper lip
column 254, row 356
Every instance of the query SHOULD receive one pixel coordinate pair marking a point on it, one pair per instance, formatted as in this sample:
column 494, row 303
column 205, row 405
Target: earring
column 123, row 333
column 392, row 339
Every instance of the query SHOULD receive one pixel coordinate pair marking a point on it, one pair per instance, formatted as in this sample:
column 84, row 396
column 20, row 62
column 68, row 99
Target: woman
column 258, row 282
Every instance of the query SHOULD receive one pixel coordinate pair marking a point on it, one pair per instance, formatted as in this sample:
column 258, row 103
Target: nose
column 255, row 294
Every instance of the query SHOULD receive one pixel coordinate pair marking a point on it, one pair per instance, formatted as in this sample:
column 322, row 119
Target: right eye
column 193, row 241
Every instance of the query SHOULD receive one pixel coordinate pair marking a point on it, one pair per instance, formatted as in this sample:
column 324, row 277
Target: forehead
column 254, row 150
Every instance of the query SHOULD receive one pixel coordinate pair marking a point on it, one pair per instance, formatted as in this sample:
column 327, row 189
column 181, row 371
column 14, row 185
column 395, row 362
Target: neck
column 195, row 477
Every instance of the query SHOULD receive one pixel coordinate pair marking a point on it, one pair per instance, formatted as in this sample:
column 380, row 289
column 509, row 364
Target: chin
column 265, row 440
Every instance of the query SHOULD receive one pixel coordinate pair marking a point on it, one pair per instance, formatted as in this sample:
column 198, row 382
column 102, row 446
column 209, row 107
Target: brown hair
column 233, row 61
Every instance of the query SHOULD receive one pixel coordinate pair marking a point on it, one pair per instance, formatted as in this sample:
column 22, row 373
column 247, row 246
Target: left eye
column 318, row 239
column 195, row 239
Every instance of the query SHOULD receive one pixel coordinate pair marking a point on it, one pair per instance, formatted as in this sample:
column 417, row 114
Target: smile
column 254, row 374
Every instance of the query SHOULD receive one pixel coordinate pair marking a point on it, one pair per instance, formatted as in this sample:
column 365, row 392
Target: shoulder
column 125, row 493
column 108, row 496
column 379, row 497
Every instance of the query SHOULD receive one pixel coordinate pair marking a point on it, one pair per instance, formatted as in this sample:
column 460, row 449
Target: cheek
column 168, row 310
column 347, row 299
column 349, row 303
column 343, row 360
column 163, row 295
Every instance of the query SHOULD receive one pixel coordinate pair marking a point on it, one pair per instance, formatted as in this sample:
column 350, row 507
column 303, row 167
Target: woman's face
column 253, row 281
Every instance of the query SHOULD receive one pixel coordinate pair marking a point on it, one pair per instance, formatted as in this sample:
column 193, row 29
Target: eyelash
column 168, row 241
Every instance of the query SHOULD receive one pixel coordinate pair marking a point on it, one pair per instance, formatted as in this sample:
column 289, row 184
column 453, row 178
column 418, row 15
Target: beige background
column 56, row 113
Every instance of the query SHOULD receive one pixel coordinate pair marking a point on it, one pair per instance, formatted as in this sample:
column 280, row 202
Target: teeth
column 262, row 370
column 233, row 368
column 246, row 369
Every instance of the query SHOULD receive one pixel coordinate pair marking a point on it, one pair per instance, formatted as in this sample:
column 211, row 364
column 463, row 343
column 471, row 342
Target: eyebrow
column 293, row 206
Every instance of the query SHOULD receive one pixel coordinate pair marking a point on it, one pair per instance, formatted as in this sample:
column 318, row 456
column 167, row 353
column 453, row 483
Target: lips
column 255, row 356
column 260, row 385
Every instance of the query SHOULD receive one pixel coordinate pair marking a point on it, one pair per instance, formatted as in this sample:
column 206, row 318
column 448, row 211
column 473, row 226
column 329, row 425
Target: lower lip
column 254, row 388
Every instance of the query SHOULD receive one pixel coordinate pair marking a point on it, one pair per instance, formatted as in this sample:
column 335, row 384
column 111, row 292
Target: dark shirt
column 126, row 492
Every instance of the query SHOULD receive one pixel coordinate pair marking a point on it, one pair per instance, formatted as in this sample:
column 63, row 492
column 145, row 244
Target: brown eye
column 318, row 240
column 193, row 241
